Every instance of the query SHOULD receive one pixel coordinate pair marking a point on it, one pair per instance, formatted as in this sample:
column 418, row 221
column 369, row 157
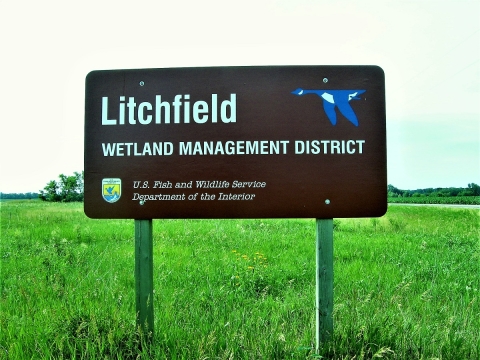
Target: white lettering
column 141, row 118
column 241, row 147
column 120, row 149
column 200, row 111
column 108, row 149
column 349, row 149
column 360, row 147
column 121, row 111
column 335, row 145
column 146, row 149
column 214, row 108
column 185, row 148
column 176, row 108
column 131, row 110
column 186, row 109
column 105, row 119
column 135, row 149
column 200, row 107
column 230, row 104
column 158, row 106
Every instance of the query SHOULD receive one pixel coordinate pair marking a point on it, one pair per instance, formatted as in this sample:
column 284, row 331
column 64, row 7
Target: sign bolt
column 142, row 202
column 327, row 201
column 141, row 83
column 325, row 80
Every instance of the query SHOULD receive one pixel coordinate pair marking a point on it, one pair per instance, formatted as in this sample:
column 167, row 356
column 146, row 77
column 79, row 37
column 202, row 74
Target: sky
column 428, row 49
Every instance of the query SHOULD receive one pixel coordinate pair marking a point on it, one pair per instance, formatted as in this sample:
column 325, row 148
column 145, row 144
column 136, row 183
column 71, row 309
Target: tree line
column 471, row 190
column 29, row 195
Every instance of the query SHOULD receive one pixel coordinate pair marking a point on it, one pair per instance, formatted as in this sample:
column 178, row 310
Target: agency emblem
column 111, row 189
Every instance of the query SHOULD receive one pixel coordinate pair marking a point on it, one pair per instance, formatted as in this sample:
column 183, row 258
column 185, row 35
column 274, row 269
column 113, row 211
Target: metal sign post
column 144, row 276
column 324, row 281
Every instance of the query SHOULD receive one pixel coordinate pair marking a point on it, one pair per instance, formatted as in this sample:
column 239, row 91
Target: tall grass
column 406, row 287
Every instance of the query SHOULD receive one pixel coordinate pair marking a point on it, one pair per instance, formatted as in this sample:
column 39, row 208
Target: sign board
column 236, row 142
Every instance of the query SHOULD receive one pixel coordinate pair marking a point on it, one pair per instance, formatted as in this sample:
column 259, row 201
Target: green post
column 324, row 283
column 144, row 276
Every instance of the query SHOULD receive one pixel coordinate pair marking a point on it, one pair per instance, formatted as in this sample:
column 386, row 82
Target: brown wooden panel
column 260, row 139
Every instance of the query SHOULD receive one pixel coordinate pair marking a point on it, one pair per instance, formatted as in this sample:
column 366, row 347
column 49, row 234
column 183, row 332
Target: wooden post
column 324, row 283
column 144, row 276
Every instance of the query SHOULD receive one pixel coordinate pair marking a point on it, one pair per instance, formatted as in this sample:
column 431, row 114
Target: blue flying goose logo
column 333, row 99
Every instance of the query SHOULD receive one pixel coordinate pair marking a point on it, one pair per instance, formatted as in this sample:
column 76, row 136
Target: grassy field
column 407, row 286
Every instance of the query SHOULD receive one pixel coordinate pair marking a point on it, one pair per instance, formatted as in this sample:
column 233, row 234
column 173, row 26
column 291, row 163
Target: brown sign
column 236, row 142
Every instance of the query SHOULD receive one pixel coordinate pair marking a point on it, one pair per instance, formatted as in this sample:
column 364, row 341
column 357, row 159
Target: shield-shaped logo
column 111, row 189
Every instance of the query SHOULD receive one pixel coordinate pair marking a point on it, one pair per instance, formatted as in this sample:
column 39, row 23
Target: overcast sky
column 429, row 50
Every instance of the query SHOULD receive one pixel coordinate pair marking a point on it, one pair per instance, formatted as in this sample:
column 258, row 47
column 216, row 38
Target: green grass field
column 407, row 286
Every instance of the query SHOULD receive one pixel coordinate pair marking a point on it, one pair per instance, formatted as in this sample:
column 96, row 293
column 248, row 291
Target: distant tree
column 446, row 193
column 454, row 191
column 50, row 192
column 394, row 191
column 474, row 188
column 67, row 189
column 71, row 187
